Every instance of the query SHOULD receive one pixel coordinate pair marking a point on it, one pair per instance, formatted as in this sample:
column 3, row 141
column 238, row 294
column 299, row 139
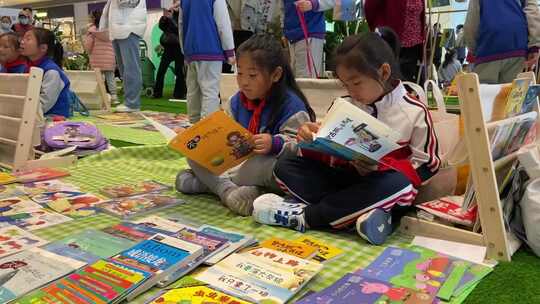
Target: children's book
column 89, row 246
column 448, row 208
column 13, row 239
column 195, row 295
column 296, row 249
column 52, row 186
column 11, row 190
column 531, row 98
column 350, row 133
column 40, row 174
column 516, row 97
column 76, row 207
column 33, row 220
column 31, row 269
column 217, row 143
column 236, row 241
column 211, row 245
column 134, row 189
column 121, row 117
column 261, row 275
column 100, row 283
column 47, row 197
column 161, row 255
column 127, row 207
column 6, row 178
column 354, row 288
column 500, row 140
column 14, row 205
column 325, row 252
column 134, row 232
column 155, row 221
column 520, row 131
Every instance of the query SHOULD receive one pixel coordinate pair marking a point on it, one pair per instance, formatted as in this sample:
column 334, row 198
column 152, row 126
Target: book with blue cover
column 134, row 232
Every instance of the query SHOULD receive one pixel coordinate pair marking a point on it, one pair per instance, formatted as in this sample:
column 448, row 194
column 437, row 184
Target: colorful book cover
column 127, row 207
column 14, row 205
column 6, row 178
column 52, row 185
column 13, row 239
column 217, row 143
column 47, row 197
column 296, row 249
column 134, row 189
column 262, row 278
column 31, row 269
column 134, row 232
column 531, row 99
column 33, row 220
column 12, row 190
column 40, row 174
column 516, row 96
column 448, row 209
column 325, row 252
column 76, row 207
column 520, row 131
column 195, row 295
column 353, row 288
column 155, row 221
column 350, row 133
column 236, row 242
column 500, row 140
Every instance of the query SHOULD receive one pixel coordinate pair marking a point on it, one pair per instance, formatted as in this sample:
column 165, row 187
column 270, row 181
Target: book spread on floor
column 155, row 221
column 40, row 174
column 34, row 220
column 127, row 207
column 14, row 205
column 77, row 206
column 52, row 185
column 143, row 187
column 217, row 143
column 326, row 252
column 195, row 295
column 236, row 240
column 7, row 191
column 13, row 239
column 297, row 249
column 134, row 232
column 350, row 133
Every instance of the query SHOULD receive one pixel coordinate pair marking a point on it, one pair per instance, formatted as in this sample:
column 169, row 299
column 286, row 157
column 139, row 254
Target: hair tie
column 378, row 32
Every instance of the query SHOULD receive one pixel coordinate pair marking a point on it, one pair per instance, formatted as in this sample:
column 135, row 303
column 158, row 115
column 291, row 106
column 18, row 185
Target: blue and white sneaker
column 374, row 226
column 272, row 209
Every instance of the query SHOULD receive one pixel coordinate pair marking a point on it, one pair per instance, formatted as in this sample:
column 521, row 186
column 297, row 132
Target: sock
column 240, row 199
column 188, row 183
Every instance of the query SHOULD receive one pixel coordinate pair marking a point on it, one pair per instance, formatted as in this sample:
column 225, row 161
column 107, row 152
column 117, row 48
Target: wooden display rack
column 90, row 87
column 500, row 243
column 19, row 122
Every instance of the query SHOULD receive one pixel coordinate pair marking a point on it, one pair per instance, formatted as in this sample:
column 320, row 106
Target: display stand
column 90, row 87
column 500, row 243
column 20, row 122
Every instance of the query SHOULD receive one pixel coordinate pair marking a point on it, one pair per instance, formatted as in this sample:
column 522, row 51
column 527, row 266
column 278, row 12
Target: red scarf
column 257, row 109
column 14, row 63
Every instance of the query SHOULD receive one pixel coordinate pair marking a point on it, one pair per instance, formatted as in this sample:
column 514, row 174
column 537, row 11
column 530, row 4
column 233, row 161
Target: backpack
column 85, row 136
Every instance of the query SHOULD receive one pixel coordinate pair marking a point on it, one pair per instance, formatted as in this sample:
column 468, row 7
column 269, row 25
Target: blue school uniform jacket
column 15, row 67
column 54, row 97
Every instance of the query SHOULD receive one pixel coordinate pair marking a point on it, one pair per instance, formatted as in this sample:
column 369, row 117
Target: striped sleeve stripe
column 431, row 147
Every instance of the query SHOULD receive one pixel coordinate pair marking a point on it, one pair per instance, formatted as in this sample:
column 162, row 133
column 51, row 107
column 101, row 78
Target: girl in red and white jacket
column 332, row 192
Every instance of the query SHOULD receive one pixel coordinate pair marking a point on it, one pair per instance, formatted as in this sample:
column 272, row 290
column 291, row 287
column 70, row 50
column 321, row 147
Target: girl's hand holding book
column 307, row 131
column 362, row 167
column 262, row 143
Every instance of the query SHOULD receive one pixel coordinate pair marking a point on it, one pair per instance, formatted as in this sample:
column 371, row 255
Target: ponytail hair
column 55, row 51
column 367, row 52
column 267, row 54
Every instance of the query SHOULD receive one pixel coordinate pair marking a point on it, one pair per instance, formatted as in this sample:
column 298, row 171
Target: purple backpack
column 85, row 136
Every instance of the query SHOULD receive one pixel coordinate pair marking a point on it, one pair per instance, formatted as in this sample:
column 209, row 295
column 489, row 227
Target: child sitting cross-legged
column 271, row 106
column 329, row 192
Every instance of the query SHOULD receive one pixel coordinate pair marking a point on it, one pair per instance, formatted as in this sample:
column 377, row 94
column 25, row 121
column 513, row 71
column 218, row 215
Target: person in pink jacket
column 100, row 49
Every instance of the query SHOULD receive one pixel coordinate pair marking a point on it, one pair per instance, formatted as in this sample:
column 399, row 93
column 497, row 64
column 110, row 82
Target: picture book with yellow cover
column 217, row 143
column 293, row 248
column 516, row 97
column 6, row 178
column 195, row 295
column 325, row 251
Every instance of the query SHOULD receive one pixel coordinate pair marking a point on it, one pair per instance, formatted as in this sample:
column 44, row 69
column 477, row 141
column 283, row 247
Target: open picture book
column 350, row 133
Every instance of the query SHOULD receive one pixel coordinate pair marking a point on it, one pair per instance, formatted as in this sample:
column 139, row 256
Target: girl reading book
column 331, row 192
column 271, row 106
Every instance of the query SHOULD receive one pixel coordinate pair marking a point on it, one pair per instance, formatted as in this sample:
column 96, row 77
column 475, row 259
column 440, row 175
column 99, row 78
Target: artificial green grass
column 513, row 282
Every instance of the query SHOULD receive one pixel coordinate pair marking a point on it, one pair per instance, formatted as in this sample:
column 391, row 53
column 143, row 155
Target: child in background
column 10, row 54
column 101, row 52
column 333, row 192
column 207, row 41
column 5, row 24
column 450, row 67
column 271, row 106
column 45, row 52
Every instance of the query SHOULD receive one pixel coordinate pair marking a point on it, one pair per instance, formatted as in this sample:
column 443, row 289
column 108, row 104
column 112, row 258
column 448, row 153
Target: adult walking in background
column 126, row 22
column 504, row 36
column 101, row 53
column 171, row 52
column 24, row 23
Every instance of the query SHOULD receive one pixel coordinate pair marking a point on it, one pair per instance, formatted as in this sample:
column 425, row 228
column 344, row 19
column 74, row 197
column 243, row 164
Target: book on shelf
column 211, row 245
column 25, row 271
column 143, row 187
column 217, row 143
column 531, row 98
column 89, row 246
column 355, row 288
column 134, row 232
column 236, row 240
column 128, row 207
column 160, row 256
column 40, row 174
column 261, row 275
column 14, row 239
column 14, row 205
column 350, row 133
column 195, row 295
column 158, row 222
column 326, row 252
column 450, row 209
column 34, row 220
column 297, row 249
column 516, row 97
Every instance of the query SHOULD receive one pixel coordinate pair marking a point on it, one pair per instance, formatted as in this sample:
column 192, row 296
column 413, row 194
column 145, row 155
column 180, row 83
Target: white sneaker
column 374, row 226
column 271, row 209
column 125, row 109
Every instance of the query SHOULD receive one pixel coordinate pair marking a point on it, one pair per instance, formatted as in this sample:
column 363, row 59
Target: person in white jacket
column 126, row 22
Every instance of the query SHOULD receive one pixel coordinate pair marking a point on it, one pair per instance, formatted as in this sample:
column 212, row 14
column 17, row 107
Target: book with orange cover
column 297, row 249
column 217, row 143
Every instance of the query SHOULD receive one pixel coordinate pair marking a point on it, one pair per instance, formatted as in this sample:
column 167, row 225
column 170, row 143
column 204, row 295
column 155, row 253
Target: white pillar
column 80, row 16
